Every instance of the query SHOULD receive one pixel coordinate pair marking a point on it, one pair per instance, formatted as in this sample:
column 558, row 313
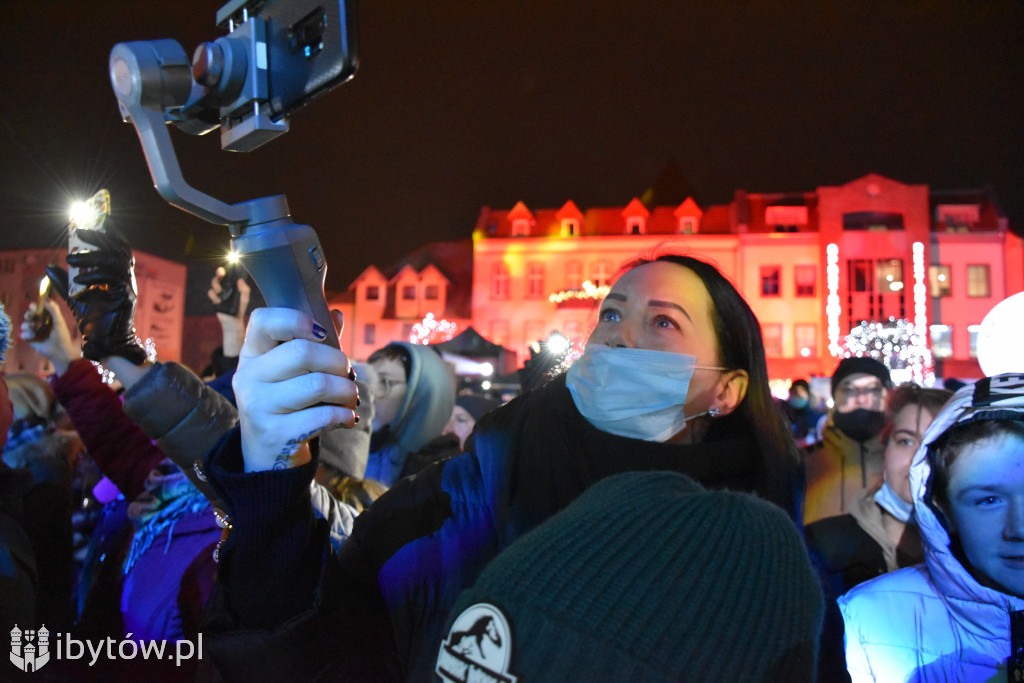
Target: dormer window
column 687, row 225
column 635, row 216
column 570, row 227
column 521, row 227
column 372, row 293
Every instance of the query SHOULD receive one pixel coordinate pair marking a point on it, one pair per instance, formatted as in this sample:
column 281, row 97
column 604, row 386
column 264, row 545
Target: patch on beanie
column 478, row 646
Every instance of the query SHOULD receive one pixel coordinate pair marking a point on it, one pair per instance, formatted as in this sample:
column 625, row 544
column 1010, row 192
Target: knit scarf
column 168, row 497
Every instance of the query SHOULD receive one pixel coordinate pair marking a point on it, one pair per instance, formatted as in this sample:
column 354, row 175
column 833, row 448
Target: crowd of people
column 653, row 513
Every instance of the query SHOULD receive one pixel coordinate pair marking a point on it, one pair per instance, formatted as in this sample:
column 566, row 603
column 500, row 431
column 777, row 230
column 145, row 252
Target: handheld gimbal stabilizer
column 278, row 56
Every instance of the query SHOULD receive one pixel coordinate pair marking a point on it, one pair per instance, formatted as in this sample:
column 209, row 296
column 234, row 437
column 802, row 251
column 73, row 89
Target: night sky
column 460, row 104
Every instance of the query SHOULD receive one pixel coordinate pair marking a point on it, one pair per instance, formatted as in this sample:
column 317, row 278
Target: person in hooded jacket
column 850, row 456
column 414, row 393
column 673, row 378
column 957, row 615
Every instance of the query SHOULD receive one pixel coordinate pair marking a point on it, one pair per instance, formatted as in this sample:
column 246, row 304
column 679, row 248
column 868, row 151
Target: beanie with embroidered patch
column 646, row 576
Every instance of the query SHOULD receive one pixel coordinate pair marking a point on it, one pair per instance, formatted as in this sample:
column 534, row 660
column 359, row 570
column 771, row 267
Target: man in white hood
column 950, row 617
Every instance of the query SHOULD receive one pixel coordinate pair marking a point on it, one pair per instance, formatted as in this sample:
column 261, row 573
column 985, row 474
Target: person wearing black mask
column 851, row 454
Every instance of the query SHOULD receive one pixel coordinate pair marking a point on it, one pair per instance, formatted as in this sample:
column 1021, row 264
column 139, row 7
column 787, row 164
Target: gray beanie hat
column 647, row 576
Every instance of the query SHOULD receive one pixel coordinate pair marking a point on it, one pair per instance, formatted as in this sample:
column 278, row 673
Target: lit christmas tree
column 895, row 343
column 432, row 331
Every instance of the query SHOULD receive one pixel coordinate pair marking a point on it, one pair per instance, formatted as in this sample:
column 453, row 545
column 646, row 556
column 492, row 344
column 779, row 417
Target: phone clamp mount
column 245, row 83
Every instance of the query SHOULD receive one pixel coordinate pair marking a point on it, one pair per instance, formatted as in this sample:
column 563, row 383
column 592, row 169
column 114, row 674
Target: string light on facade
column 832, row 308
column 432, row 331
column 588, row 292
column 920, row 292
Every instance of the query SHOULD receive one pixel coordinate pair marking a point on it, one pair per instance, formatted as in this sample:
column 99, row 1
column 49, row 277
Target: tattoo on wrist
column 290, row 447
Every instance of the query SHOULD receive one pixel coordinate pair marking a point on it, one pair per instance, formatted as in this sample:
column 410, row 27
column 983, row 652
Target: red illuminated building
column 812, row 265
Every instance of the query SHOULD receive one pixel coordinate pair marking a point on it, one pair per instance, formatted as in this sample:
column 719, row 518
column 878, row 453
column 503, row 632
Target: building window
column 408, row 292
column 372, row 293
column 570, row 227
column 770, row 280
column 520, row 227
column 875, row 221
column 534, row 280
column 978, row 281
column 940, row 282
column 369, row 333
column 772, row 335
column 687, row 225
column 806, row 337
column 972, row 335
column 500, row 281
column 499, row 332
column 533, row 331
column 806, row 279
column 942, row 340
column 573, row 275
column 635, row 225
column 890, row 276
column 431, row 293
column 600, row 273
column 860, row 275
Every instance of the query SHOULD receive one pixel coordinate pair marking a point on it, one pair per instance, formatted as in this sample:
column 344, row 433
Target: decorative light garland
column 832, row 308
column 432, row 331
column 920, row 292
column 588, row 292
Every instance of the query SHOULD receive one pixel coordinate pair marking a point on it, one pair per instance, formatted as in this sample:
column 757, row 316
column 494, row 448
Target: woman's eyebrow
column 669, row 304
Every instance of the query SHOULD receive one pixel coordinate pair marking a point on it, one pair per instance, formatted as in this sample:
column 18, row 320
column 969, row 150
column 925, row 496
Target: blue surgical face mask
column 896, row 506
column 798, row 402
column 636, row 393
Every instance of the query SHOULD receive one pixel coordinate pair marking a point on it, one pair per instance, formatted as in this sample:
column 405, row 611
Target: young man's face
column 388, row 391
column 986, row 500
column 860, row 390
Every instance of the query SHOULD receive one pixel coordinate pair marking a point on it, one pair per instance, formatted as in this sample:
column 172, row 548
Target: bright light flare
column 233, row 257
column 558, row 344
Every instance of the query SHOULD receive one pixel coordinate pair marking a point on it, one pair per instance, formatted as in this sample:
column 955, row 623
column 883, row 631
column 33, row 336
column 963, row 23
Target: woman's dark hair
column 741, row 348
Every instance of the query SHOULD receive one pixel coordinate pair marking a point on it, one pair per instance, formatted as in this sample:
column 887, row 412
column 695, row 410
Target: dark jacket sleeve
column 185, row 416
column 120, row 448
column 285, row 606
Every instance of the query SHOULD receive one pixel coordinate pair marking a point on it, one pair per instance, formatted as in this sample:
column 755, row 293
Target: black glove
column 105, row 308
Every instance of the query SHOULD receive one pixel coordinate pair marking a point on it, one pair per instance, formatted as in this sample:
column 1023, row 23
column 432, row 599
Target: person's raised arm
column 290, row 388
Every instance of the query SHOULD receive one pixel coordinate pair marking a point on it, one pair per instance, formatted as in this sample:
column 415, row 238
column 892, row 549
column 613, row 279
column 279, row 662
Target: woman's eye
column 609, row 315
column 665, row 322
column 907, row 442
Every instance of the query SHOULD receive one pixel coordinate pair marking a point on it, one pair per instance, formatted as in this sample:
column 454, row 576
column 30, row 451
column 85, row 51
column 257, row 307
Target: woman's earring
column 714, row 412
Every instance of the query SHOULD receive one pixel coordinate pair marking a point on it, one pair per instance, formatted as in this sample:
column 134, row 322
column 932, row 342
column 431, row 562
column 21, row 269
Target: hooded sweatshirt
column 423, row 414
column 934, row 621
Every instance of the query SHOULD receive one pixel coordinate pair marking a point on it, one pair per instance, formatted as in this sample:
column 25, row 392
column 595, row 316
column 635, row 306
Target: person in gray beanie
column 687, row 584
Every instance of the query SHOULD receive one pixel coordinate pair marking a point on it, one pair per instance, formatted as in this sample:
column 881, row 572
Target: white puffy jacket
column 934, row 621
